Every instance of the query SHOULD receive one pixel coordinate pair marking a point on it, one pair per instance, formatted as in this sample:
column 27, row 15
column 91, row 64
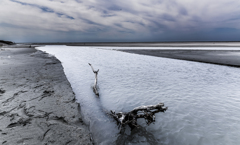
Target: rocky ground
column 37, row 104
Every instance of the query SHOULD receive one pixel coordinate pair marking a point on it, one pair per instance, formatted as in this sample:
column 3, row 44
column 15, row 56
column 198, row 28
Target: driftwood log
column 95, row 83
column 130, row 118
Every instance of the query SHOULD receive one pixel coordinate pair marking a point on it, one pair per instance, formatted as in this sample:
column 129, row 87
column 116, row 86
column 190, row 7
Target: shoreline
column 38, row 105
column 218, row 57
column 145, row 44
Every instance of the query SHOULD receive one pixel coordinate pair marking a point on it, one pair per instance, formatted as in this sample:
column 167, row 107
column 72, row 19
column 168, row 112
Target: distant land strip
column 145, row 44
column 219, row 57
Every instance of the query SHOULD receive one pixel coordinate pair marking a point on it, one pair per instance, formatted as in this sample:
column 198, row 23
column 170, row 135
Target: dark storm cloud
column 114, row 20
column 43, row 8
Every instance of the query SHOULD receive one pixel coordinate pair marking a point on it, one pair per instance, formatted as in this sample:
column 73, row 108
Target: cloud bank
column 112, row 20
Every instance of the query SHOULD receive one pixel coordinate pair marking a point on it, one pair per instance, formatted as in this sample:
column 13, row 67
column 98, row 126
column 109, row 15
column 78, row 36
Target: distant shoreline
column 187, row 51
column 145, row 44
column 219, row 57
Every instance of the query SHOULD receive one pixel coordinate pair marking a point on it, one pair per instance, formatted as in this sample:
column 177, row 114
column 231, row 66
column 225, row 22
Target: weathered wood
column 130, row 118
column 95, row 83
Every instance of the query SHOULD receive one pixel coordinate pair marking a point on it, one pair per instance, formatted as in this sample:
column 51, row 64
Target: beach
column 38, row 105
column 37, row 102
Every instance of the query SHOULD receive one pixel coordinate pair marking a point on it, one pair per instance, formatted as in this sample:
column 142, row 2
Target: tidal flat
column 202, row 98
column 40, row 93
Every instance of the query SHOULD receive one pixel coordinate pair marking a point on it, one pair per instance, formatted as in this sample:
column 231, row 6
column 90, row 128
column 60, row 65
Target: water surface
column 203, row 99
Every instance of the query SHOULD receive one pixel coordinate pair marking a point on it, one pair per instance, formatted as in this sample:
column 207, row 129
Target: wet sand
column 37, row 104
column 220, row 57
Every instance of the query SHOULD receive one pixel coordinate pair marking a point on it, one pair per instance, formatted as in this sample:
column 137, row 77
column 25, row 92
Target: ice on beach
column 202, row 99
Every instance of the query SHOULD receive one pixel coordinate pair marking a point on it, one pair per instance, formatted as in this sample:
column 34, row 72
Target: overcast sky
column 119, row 20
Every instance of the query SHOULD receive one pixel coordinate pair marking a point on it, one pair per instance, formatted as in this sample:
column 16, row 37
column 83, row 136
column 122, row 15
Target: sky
column 119, row 20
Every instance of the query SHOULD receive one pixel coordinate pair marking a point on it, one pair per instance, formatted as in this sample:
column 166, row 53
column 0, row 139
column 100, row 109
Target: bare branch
column 95, row 83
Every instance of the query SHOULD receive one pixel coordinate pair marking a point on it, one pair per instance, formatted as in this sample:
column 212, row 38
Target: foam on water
column 203, row 99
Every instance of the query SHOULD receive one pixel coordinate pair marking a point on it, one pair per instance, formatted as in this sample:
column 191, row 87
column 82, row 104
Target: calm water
column 203, row 99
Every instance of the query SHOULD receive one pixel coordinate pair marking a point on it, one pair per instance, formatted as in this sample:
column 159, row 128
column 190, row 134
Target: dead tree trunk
column 95, row 83
column 130, row 118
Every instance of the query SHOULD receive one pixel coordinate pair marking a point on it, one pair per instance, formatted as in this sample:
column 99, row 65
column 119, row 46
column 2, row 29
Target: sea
column 203, row 99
